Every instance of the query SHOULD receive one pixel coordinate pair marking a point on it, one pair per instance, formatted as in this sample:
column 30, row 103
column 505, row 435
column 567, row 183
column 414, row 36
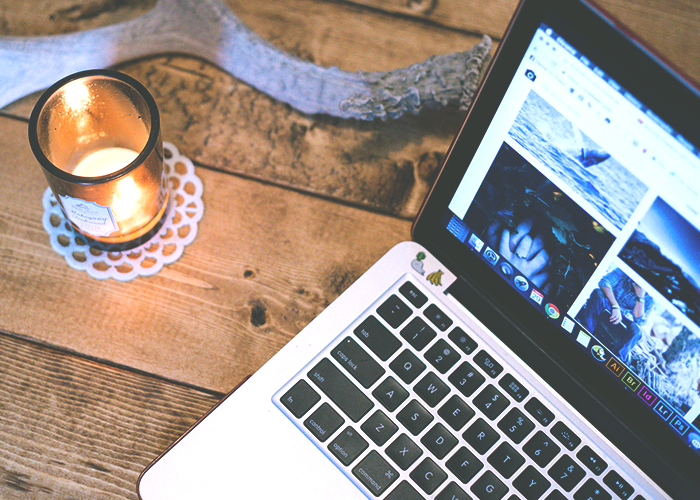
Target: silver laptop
column 539, row 338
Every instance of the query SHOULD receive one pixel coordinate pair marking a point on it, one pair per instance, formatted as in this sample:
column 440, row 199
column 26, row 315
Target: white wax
column 104, row 161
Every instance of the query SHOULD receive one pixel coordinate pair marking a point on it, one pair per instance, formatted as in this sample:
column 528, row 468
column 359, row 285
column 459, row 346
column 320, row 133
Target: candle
column 104, row 162
column 97, row 137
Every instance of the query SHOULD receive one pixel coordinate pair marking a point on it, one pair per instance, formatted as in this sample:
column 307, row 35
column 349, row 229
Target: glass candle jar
column 97, row 137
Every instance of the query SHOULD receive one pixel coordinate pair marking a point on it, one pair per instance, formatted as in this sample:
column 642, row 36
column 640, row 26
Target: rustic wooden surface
column 98, row 377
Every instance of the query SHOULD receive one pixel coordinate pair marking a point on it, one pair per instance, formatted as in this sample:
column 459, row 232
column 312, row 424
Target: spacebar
column 340, row 390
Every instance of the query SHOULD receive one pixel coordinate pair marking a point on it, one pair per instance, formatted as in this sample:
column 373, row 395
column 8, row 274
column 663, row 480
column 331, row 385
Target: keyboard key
column 404, row 491
column 466, row 379
column 414, row 417
column 452, row 492
column 431, row 389
column 618, row 485
column 300, row 398
column 375, row 473
column 403, row 451
column 357, row 362
column 516, row 425
column 324, row 422
column 591, row 490
column 407, row 366
column 506, row 460
column 491, row 402
column 541, row 449
column 394, row 311
column 442, row 356
column 467, row 344
column 379, row 428
column 390, row 393
column 481, row 436
column 485, row 361
column 340, row 390
column 539, row 412
column 437, row 317
column 348, row 445
column 556, row 495
column 531, row 483
column 439, row 441
column 513, row 388
column 418, row 333
column 489, row 487
column 464, row 464
column 565, row 436
column 567, row 473
column 378, row 338
column 413, row 295
column 428, row 476
column 591, row 460
column 456, row 412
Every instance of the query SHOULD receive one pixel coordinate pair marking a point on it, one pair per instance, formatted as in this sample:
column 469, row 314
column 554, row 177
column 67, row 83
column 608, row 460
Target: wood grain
column 220, row 122
column 73, row 428
column 475, row 16
column 669, row 26
column 265, row 262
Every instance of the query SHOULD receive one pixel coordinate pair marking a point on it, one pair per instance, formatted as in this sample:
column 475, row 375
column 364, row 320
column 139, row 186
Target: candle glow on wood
column 106, row 161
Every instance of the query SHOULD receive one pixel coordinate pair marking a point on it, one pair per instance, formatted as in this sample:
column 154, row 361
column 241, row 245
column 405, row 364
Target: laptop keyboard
column 410, row 406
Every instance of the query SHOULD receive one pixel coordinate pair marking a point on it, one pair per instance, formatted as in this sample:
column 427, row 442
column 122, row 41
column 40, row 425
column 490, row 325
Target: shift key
column 340, row 389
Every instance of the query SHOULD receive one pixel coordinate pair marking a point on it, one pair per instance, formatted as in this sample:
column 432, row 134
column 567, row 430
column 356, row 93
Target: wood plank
column 52, row 17
column 223, row 123
column 474, row 16
column 265, row 262
column 669, row 26
column 73, row 428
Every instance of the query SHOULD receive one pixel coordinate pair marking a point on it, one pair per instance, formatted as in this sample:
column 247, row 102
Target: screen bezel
column 614, row 411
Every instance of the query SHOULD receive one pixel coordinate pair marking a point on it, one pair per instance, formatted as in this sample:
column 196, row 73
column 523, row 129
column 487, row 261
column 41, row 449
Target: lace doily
column 185, row 209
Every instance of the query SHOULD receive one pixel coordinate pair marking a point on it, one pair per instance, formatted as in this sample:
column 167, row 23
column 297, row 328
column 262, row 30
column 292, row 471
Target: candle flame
column 125, row 201
column 76, row 95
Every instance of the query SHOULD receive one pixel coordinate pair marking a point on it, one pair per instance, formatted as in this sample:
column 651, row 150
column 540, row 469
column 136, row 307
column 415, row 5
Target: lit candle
column 87, row 132
column 104, row 162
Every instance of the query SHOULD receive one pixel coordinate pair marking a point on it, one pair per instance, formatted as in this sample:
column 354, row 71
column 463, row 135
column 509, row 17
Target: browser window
column 582, row 199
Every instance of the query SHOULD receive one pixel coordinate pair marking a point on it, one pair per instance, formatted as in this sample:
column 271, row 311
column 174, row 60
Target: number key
column 466, row 379
column 442, row 356
column 418, row 333
column 541, row 449
column 516, row 425
column 567, row 473
column 491, row 402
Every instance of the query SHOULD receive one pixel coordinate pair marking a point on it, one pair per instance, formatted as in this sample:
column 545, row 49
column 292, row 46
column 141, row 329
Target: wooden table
column 98, row 377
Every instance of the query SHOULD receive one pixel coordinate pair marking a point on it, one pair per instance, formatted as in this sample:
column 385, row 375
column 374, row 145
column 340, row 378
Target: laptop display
column 584, row 201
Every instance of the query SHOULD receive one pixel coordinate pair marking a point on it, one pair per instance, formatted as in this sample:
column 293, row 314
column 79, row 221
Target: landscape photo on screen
column 664, row 251
column 533, row 225
column 577, row 160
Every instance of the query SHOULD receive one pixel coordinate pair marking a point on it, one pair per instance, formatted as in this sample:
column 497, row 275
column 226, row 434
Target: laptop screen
column 586, row 203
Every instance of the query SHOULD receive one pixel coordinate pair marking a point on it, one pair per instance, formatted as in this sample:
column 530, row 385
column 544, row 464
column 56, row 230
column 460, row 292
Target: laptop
column 465, row 363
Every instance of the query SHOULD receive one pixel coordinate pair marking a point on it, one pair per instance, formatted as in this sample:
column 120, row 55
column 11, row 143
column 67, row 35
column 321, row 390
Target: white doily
column 185, row 209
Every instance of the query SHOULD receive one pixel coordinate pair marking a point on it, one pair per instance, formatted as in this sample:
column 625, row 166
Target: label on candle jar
column 89, row 217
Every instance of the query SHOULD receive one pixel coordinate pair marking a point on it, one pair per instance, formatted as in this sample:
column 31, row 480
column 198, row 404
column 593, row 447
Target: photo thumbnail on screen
column 544, row 234
column 577, row 160
column 664, row 251
column 616, row 311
